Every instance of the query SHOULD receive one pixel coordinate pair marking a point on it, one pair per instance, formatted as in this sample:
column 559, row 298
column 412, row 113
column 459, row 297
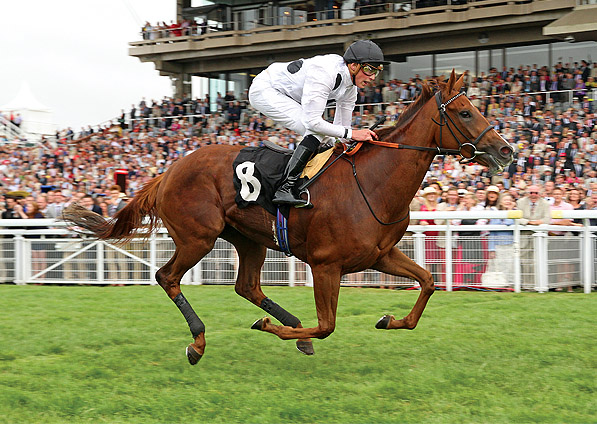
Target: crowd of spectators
column 552, row 126
column 553, row 133
column 12, row 117
column 173, row 29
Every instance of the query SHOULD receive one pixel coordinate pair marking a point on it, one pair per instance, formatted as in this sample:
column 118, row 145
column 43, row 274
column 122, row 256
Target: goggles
column 370, row 70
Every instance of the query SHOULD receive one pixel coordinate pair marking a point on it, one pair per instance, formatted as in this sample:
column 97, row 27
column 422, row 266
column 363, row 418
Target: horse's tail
column 122, row 226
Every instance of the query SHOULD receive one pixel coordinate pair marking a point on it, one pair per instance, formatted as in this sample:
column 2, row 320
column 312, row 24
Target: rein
column 354, row 172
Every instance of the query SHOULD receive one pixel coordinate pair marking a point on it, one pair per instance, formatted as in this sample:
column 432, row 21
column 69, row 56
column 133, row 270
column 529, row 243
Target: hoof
column 383, row 322
column 257, row 325
column 192, row 355
column 305, row 346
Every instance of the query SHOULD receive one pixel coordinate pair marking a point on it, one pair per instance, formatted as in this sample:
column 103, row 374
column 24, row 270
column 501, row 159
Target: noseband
column 446, row 121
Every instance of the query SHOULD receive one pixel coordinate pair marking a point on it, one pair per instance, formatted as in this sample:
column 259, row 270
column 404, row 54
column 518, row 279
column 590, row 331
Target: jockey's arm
column 316, row 93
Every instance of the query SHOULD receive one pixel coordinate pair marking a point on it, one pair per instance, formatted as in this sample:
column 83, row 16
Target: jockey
column 295, row 95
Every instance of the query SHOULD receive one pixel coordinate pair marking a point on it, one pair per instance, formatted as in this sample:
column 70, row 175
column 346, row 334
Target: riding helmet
column 364, row 51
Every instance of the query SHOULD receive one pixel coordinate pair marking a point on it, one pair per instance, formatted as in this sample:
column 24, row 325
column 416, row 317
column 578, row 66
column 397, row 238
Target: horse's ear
column 458, row 84
column 451, row 81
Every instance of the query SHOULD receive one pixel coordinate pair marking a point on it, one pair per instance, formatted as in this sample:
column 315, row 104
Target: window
column 527, row 55
column 573, row 52
column 459, row 61
column 420, row 65
column 484, row 56
column 497, row 59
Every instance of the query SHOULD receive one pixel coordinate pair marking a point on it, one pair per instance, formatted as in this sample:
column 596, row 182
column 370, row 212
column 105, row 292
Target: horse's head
column 464, row 128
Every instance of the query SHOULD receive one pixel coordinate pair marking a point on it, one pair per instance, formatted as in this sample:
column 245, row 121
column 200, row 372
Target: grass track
column 116, row 354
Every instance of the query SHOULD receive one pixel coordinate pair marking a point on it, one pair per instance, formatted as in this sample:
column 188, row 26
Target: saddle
column 259, row 171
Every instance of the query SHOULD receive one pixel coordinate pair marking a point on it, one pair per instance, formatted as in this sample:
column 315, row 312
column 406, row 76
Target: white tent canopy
column 37, row 118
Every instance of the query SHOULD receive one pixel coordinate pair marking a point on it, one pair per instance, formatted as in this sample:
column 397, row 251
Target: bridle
column 446, row 120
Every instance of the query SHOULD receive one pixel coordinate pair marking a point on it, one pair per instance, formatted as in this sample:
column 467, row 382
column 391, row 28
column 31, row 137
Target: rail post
column 517, row 276
column 99, row 263
column 588, row 257
column 292, row 271
column 21, row 260
column 541, row 278
column 449, row 260
column 309, row 282
column 419, row 242
column 153, row 259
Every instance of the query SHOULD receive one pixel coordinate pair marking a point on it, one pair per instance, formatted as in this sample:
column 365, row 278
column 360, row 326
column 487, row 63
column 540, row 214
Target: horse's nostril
column 506, row 151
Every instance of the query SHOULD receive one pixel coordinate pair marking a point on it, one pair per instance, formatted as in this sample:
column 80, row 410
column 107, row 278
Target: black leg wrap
column 279, row 313
column 195, row 324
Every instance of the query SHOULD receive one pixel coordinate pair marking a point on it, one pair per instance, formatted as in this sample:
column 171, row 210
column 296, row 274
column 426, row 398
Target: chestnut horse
column 195, row 200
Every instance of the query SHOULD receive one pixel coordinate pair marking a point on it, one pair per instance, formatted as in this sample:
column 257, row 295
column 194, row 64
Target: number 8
column 250, row 186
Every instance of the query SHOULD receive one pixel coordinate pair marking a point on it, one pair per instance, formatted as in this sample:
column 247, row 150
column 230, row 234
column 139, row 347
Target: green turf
column 116, row 354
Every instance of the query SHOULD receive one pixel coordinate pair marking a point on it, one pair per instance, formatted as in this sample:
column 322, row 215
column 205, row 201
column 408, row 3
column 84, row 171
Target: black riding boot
column 301, row 155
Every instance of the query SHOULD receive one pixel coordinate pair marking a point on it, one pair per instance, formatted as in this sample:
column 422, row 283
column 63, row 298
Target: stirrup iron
column 308, row 204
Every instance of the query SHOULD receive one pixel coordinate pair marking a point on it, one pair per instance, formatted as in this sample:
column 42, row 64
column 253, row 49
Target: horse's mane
column 412, row 109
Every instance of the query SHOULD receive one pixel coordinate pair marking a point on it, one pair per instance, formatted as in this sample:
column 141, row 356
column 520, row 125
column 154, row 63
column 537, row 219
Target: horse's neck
column 400, row 172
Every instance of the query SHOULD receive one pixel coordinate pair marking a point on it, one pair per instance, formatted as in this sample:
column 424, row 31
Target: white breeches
column 278, row 106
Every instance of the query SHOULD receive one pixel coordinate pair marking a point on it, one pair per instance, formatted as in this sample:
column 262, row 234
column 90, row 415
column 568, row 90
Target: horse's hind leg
column 326, row 289
column 397, row 263
column 169, row 277
column 248, row 283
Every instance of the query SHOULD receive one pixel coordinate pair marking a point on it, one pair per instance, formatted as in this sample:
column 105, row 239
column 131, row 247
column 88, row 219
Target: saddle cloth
column 259, row 171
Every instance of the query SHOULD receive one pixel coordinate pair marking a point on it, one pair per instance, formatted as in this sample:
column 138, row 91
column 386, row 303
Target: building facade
column 229, row 42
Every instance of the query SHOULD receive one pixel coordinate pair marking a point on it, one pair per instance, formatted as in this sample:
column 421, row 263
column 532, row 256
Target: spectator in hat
column 492, row 198
column 535, row 211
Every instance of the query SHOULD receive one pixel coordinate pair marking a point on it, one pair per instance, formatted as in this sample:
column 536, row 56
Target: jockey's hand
column 363, row 135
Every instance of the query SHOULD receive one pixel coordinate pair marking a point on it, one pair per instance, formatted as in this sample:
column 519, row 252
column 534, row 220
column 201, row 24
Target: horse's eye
column 466, row 114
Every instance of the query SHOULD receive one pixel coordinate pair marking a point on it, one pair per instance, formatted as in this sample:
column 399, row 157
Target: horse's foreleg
column 397, row 263
column 248, row 284
column 326, row 289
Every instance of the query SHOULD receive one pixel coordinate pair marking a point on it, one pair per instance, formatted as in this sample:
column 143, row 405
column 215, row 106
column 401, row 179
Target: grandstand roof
column 580, row 24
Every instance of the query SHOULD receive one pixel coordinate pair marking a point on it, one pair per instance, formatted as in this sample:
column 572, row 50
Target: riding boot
column 285, row 194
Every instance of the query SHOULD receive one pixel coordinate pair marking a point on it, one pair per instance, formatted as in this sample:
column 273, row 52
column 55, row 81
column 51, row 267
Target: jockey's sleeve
column 319, row 83
column 343, row 115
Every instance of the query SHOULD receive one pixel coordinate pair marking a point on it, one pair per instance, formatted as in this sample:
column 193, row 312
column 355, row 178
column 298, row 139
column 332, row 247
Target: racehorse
column 355, row 224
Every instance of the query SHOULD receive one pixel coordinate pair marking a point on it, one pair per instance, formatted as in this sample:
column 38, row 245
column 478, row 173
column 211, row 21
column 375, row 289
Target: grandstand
column 233, row 40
